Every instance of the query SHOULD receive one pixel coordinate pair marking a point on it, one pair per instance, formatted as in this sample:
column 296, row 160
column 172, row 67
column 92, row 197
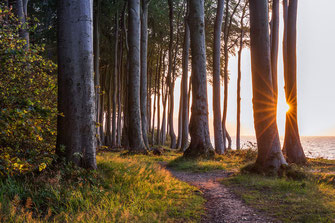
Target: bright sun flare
column 287, row 107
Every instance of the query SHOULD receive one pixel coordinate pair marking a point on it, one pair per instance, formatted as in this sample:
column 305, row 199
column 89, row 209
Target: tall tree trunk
column 114, row 79
column 144, row 84
column 22, row 15
column 161, row 57
column 124, row 138
column 184, row 80
column 135, row 136
column 164, row 112
column 292, row 145
column 274, row 46
column 154, row 112
column 171, row 80
column 239, row 77
column 180, row 120
column 108, row 136
column 270, row 157
column 227, row 29
column 76, row 129
column 218, row 134
column 119, row 90
column 200, row 141
column 96, row 47
column 102, row 105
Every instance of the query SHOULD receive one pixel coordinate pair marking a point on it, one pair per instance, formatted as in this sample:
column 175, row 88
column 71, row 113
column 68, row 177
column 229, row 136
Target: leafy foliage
column 27, row 102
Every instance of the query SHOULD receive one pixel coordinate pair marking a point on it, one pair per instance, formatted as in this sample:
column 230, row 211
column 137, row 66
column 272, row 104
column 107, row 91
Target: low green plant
column 28, row 102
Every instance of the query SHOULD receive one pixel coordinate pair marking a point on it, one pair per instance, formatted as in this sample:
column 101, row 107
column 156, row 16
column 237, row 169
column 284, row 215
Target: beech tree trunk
column 135, row 136
column 218, row 134
column 114, row 79
column 292, row 145
column 144, row 83
column 274, row 46
column 108, row 138
column 124, row 138
column 180, row 130
column 171, row 80
column 164, row 113
column 102, row 106
column 200, row 140
column 239, row 77
column 270, row 157
column 22, row 15
column 158, row 100
column 119, row 90
column 76, row 127
column 96, row 47
column 184, row 83
column 154, row 112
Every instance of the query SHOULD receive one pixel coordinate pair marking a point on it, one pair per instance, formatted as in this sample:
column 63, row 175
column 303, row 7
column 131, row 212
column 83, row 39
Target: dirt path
column 222, row 205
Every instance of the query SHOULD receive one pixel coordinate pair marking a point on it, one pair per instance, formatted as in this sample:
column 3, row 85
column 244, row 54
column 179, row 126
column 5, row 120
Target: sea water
column 314, row 146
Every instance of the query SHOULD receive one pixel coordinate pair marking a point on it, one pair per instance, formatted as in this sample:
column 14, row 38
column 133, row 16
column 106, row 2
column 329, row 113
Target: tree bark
column 108, row 136
column 154, row 112
column 22, row 15
column 76, row 127
column 158, row 100
column 227, row 28
column 270, row 157
column 200, row 141
column 124, row 138
column 114, row 79
column 218, row 134
column 292, row 145
column 96, row 47
column 239, row 77
column 184, row 82
column 171, row 80
column 144, row 83
column 134, row 105
column 274, row 46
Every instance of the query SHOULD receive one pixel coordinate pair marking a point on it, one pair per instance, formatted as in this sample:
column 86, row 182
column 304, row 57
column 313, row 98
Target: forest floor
column 168, row 188
column 302, row 194
column 222, row 204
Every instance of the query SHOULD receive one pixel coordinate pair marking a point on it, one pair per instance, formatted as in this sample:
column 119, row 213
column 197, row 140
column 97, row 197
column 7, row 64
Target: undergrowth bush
column 27, row 102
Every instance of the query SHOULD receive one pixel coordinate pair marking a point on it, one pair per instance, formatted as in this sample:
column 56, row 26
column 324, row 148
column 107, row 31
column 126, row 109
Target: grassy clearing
column 124, row 189
column 306, row 194
column 232, row 161
column 303, row 194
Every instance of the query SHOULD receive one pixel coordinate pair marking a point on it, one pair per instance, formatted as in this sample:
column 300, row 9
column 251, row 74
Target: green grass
column 124, row 189
column 231, row 161
column 305, row 194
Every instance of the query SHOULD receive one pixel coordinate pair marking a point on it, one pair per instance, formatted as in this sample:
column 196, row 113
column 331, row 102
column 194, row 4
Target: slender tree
column 227, row 31
column 218, row 134
column 292, row 145
column 96, row 48
column 114, row 78
column 274, row 46
column 239, row 77
column 144, row 82
column 171, row 79
column 76, row 103
column 270, row 157
column 200, row 141
column 135, row 136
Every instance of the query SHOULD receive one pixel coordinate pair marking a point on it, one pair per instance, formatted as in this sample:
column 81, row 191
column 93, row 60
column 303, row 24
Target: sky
column 316, row 77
